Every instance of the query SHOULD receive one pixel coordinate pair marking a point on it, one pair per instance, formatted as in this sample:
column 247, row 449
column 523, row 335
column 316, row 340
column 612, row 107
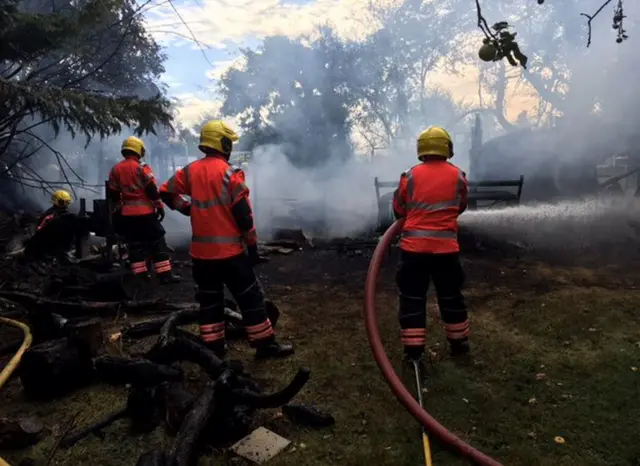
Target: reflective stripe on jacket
column 130, row 178
column 214, row 187
column 45, row 221
column 431, row 196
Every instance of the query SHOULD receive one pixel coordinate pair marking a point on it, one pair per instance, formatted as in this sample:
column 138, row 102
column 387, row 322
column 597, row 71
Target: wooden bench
column 483, row 191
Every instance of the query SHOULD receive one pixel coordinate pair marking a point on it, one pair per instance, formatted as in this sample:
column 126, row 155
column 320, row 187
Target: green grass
column 553, row 351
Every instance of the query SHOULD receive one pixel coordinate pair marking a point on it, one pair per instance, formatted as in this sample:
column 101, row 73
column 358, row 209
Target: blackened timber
column 78, row 308
column 140, row 372
column 152, row 458
column 54, row 367
column 109, row 419
column 188, row 441
column 259, row 401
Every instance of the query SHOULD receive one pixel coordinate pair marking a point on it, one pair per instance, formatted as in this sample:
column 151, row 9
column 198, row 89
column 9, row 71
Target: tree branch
column 482, row 23
column 591, row 17
column 617, row 20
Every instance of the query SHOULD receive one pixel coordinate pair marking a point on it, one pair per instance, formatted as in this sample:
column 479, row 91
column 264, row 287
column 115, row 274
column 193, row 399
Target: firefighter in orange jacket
column 133, row 189
column 222, row 223
column 430, row 197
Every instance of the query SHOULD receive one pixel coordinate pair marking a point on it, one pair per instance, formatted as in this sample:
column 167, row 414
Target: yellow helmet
column 218, row 136
column 435, row 141
column 134, row 145
column 61, row 198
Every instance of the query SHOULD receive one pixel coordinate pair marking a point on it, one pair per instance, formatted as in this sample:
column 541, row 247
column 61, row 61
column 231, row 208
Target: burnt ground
column 556, row 352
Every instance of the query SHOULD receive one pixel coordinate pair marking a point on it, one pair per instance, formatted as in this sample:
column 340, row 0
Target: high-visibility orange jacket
column 48, row 216
column 215, row 188
column 431, row 196
column 136, row 185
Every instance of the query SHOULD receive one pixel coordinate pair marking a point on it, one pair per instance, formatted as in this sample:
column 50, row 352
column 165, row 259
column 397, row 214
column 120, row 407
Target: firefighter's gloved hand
column 254, row 257
column 160, row 213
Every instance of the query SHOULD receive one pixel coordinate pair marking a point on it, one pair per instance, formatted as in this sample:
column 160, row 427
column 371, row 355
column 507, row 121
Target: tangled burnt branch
column 222, row 411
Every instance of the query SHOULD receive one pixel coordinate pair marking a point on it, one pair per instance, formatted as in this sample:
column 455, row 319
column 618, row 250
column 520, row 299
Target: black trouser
column 414, row 273
column 237, row 274
column 145, row 240
column 55, row 238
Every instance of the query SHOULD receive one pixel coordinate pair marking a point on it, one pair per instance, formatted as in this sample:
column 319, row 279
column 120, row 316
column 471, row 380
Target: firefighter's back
column 433, row 206
column 215, row 233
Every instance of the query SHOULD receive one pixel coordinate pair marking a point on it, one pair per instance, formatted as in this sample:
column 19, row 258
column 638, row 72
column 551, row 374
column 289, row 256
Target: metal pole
column 110, row 233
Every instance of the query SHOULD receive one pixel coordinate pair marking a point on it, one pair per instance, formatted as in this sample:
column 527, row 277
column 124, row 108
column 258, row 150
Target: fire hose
column 431, row 425
column 15, row 360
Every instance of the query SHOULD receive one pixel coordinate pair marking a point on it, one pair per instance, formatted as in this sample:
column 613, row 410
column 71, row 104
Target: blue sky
column 222, row 27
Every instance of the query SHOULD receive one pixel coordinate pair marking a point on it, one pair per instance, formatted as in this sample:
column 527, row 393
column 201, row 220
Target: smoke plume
column 570, row 110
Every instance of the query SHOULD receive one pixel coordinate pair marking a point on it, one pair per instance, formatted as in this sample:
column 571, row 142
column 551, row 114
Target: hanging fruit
column 488, row 52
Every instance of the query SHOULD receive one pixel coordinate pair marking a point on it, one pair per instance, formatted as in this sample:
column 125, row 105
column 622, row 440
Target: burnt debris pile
column 172, row 378
column 75, row 352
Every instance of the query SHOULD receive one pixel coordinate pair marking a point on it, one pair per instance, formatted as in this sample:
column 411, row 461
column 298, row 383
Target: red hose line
column 371, row 320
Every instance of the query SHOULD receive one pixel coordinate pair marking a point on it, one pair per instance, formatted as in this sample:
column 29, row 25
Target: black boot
column 459, row 347
column 413, row 353
column 168, row 278
column 274, row 350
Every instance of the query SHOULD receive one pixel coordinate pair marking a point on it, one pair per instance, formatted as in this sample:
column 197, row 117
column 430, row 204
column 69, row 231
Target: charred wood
column 54, row 367
column 188, row 441
column 182, row 333
column 230, row 422
column 177, row 403
column 139, row 372
column 228, row 383
column 233, row 320
column 75, row 437
column 78, row 308
column 142, row 408
column 87, row 335
column 143, row 405
column 289, row 237
column 20, row 433
column 177, row 318
column 144, row 329
column 186, row 349
column 46, row 325
column 97, row 286
column 152, row 458
column 308, row 415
